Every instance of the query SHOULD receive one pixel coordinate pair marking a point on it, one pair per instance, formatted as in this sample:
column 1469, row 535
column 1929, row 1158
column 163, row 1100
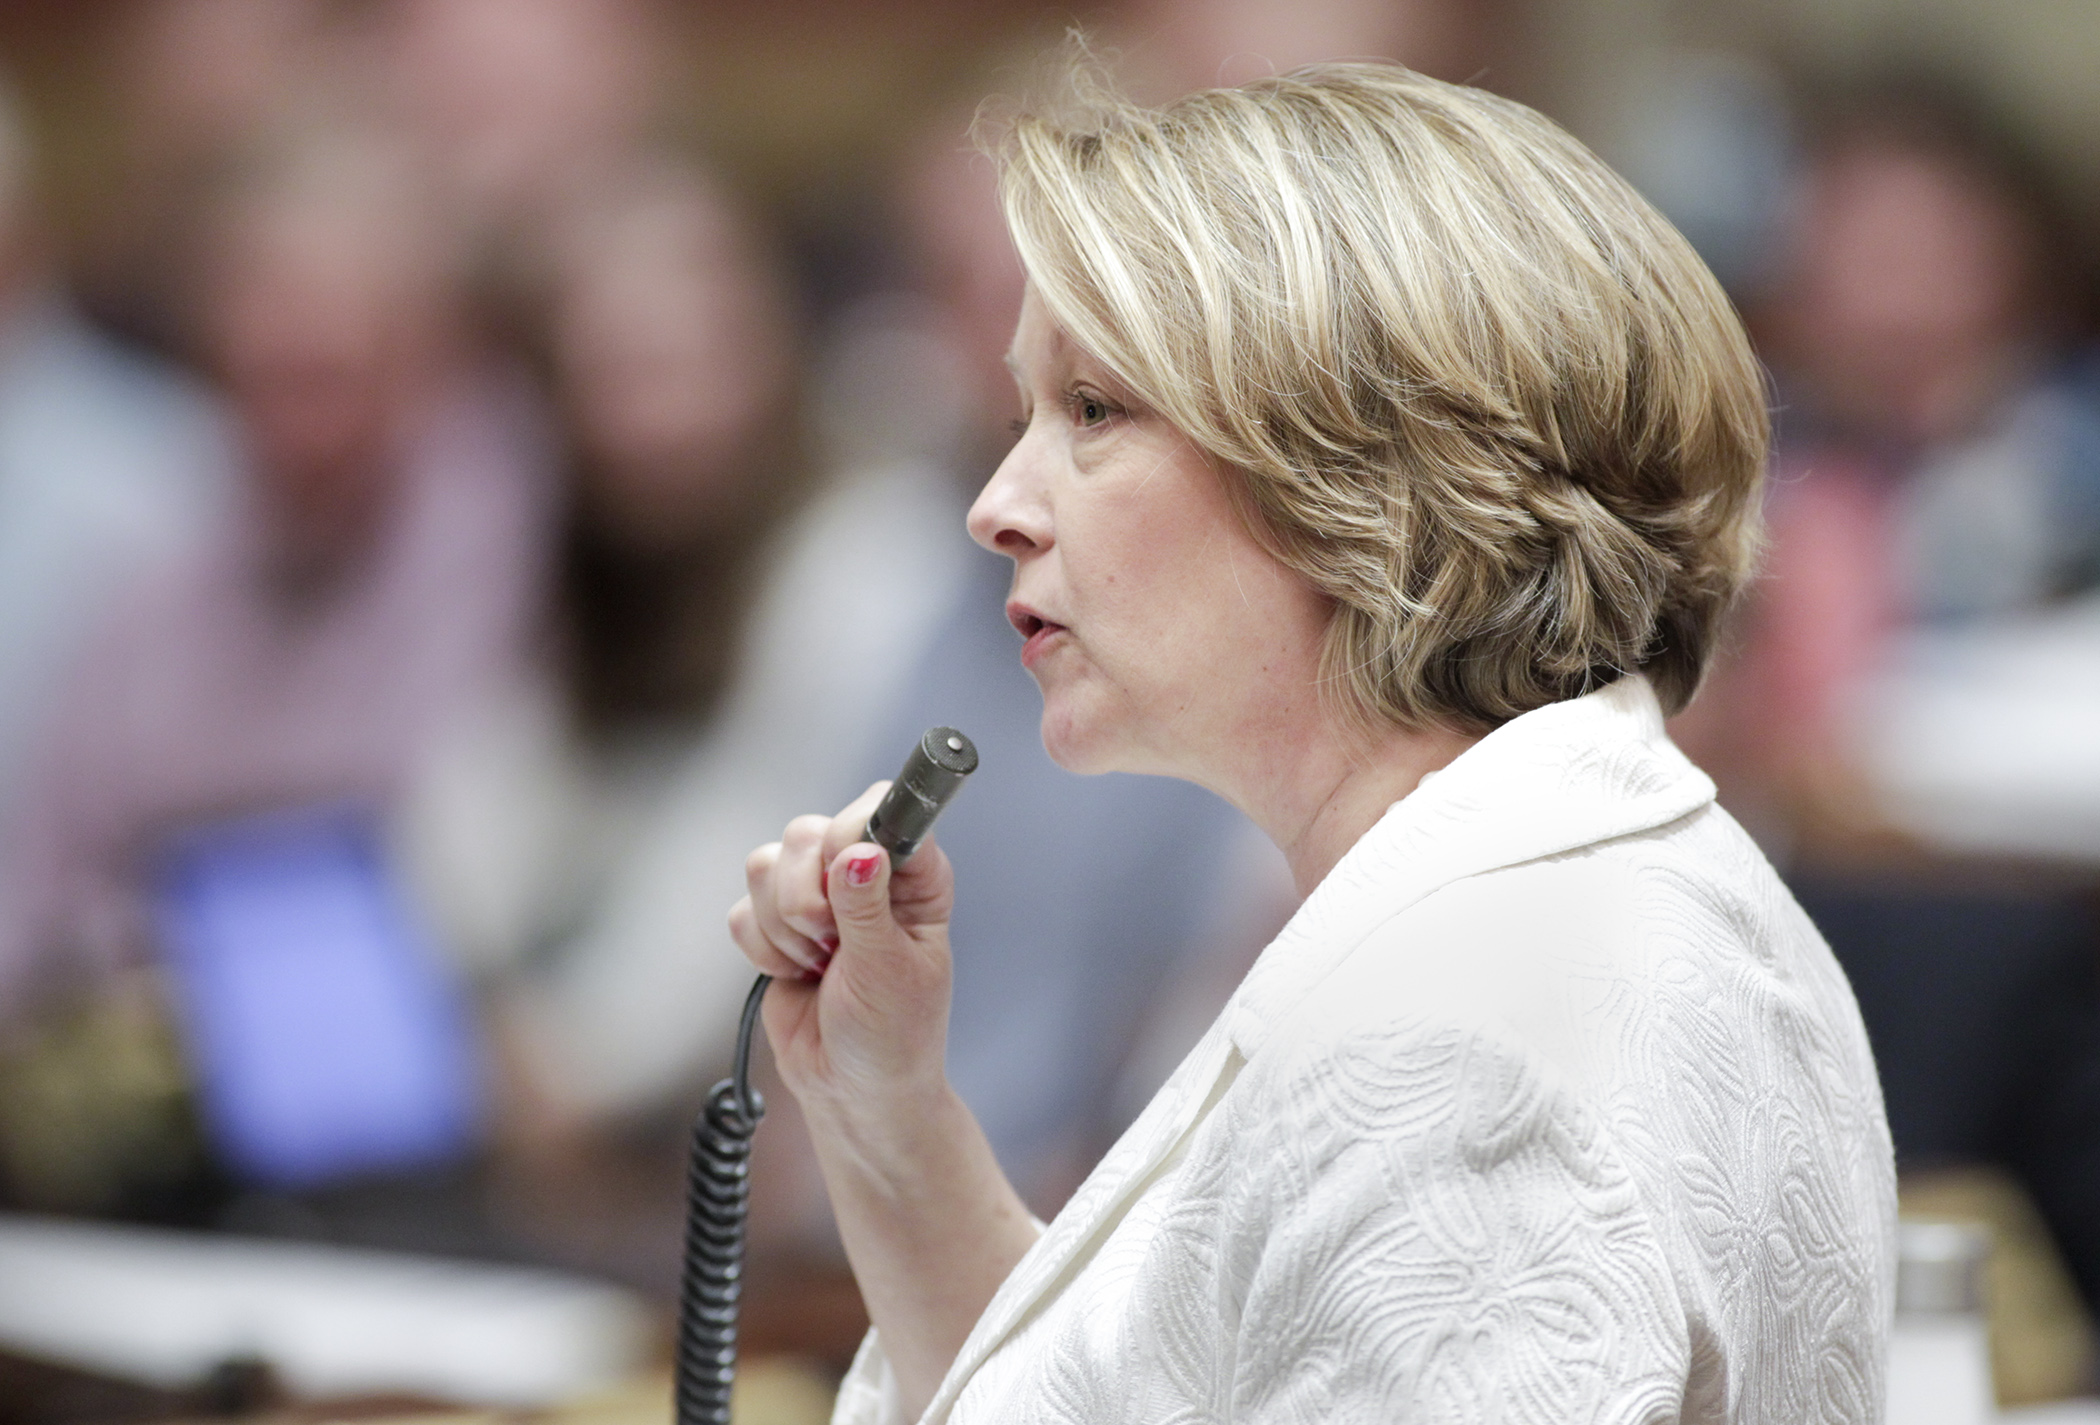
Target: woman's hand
column 858, row 1016
column 858, row 1012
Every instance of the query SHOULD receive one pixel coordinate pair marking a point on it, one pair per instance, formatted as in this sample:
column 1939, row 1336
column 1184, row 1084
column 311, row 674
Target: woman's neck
column 1316, row 793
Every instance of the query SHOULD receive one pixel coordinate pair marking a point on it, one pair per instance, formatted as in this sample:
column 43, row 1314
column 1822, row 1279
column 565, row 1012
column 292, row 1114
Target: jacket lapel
column 1565, row 776
column 1068, row 1243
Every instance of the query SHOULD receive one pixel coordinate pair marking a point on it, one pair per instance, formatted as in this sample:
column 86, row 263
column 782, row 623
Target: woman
column 1386, row 465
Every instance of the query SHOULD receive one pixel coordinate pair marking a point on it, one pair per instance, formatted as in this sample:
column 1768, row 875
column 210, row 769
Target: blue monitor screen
column 327, row 1039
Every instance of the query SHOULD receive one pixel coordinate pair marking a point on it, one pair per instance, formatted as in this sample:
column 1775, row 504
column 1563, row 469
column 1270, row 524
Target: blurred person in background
column 184, row 83
column 1941, row 445
column 510, row 103
column 1178, row 45
column 519, row 103
column 1938, row 475
column 374, row 574
column 664, row 333
column 109, row 462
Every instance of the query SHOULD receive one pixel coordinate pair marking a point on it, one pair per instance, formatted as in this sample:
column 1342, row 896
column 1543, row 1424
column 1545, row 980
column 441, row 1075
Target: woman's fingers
column 850, row 825
column 789, row 923
column 824, row 889
column 758, row 924
column 860, row 887
column 924, row 887
column 761, row 952
column 798, row 880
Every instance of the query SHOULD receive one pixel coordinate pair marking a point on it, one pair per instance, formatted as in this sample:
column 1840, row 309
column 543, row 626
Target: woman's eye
column 1089, row 410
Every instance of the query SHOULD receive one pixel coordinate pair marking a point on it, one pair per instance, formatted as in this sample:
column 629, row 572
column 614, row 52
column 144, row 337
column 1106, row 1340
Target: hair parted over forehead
column 1462, row 378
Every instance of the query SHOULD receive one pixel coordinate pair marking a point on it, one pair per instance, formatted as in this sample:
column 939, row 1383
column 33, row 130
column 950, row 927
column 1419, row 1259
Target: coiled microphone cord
column 718, row 1199
column 718, row 1192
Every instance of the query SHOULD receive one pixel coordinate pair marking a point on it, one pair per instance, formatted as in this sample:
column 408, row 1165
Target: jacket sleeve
column 1441, row 1231
column 868, row 1395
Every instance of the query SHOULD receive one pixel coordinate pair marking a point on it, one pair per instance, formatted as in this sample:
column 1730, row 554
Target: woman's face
column 1164, row 638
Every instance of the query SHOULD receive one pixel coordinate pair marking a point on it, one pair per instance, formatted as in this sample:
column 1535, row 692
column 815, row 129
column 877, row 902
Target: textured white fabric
column 1549, row 1105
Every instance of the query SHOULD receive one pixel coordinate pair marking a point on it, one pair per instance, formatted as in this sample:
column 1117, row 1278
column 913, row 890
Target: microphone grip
column 932, row 775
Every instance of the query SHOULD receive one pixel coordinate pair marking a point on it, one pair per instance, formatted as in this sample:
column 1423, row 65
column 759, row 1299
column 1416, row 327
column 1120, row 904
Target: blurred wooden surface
column 2041, row 1338
column 770, row 1390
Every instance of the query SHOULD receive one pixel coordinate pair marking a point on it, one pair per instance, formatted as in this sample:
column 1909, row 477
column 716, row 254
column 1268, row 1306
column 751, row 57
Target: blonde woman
column 1385, row 464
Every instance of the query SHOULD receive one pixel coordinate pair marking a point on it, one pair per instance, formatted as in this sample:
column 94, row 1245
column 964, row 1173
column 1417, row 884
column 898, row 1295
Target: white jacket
column 1549, row 1105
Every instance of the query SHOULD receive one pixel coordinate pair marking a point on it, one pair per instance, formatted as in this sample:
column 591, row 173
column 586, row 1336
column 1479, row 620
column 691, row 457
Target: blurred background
column 470, row 469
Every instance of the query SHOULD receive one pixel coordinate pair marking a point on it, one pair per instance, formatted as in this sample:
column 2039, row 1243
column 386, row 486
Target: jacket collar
column 1564, row 776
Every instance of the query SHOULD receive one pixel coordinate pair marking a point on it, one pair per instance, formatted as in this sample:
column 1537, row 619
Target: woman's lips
column 1036, row 631
column 1032, row 650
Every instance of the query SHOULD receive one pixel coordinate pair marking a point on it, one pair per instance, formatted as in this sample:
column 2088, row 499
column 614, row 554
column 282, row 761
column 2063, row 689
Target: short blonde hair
column 1470, row 385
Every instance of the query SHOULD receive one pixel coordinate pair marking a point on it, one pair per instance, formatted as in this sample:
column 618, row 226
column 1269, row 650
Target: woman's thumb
column 860, row 888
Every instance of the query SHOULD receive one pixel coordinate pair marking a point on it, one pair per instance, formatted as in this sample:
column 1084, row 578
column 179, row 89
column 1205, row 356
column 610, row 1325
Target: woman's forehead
column 1043, row 348
column 1037, row 336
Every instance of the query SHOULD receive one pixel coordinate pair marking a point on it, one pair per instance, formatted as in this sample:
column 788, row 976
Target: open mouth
column 1035, row 630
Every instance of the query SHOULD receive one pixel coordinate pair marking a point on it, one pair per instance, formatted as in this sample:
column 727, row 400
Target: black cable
column 718, row 1192
column 718, row 1198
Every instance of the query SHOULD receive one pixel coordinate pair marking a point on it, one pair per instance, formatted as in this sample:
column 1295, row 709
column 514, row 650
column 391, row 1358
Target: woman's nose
column 1008, row 517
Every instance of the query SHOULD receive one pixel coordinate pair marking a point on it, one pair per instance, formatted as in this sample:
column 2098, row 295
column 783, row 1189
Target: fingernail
column 860, row 870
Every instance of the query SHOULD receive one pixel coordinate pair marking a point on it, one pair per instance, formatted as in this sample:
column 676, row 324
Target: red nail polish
column 860, row 870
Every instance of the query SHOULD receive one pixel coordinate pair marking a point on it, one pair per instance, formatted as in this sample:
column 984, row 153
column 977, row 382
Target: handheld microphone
column 932, row 775
column 719, row 1186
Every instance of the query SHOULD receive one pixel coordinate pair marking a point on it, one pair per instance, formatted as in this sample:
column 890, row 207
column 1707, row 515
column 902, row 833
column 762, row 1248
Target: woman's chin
column 1075, row 745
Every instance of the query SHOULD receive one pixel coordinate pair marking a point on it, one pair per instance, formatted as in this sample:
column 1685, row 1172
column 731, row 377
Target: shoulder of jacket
column 1553, row 958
